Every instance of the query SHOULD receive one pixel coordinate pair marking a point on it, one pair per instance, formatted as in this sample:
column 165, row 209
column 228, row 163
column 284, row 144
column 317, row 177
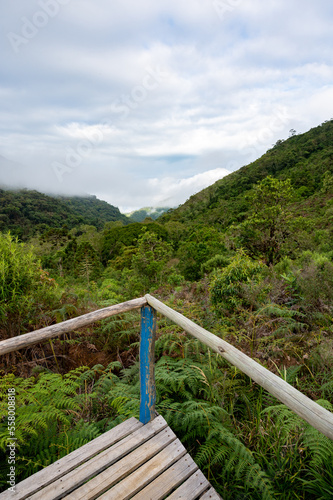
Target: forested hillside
column 26, row 212
column 250, row 259
column 305, row 159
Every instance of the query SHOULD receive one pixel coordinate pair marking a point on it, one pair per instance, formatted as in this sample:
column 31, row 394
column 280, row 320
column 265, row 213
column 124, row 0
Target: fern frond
column 226, row 450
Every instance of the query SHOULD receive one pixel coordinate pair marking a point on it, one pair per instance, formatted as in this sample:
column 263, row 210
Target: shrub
column 315, row 282
column 25, row 289
column 227, row 289
column 215, row 262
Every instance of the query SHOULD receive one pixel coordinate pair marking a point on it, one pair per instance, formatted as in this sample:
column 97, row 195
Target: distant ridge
column 152, row 212
column 25, row 212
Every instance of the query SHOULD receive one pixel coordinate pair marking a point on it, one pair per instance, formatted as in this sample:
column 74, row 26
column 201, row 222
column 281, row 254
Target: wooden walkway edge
column 131, row 461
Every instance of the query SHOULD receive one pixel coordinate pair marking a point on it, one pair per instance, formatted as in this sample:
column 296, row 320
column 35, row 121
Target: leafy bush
column 25, row 289
column 315, row 281
column 215, row 262
column 227, row 288
column 108, row 293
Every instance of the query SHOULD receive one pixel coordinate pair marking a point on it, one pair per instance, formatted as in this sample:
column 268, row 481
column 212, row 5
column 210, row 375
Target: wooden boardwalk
column 132, row 460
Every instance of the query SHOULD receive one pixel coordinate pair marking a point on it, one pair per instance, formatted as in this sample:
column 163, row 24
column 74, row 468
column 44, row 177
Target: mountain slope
column 26, row 212
column 96, row 211
column 303, row 158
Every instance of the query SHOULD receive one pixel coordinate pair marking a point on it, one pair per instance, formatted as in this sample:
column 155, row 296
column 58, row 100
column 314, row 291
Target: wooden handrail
column 312, row 412
column 16, row 343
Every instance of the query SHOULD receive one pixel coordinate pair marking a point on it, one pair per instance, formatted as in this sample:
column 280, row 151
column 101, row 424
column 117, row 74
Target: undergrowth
column 245, row 443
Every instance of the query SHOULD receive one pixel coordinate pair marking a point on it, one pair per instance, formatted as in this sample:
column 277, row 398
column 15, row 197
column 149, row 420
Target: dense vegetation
column 251, row 260
column 26, row 213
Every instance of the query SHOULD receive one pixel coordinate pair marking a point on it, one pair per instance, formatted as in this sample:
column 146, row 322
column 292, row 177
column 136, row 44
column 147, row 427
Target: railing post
column 147, row 364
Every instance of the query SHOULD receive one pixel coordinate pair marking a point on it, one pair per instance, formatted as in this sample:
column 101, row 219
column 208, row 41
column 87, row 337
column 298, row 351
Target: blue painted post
column 147, row 364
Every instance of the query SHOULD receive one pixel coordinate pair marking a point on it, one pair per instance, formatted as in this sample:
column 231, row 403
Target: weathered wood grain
column 147, row 461
column 122, row 468
column 73, row 480
column 44, row 477
column 147, row 364
column 210, row 495
column 16, row 343
column 133, row 483
column 191, row 488
column 313, row 413
column 168, row 480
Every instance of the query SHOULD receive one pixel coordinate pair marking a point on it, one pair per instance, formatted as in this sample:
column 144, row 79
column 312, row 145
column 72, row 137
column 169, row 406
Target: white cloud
column 167, row 191
column 173, row 191
column 163, row 90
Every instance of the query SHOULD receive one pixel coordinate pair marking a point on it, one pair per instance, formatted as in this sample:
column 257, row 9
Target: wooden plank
column 193, row 487
column 210, row 495
column 66, row 464
column 49, row 332
column 122, row 468
column 169, row 480
column 147, row 364
column 73, row 480
column 134, row 482
column 313, row 413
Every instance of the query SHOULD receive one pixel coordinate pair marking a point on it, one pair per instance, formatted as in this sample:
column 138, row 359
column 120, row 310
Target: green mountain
column 96, row 211
column 25, row 212
column 306, row 159
column 152, row 212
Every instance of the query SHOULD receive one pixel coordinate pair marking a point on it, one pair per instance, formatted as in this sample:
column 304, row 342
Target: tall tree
column 264, row 233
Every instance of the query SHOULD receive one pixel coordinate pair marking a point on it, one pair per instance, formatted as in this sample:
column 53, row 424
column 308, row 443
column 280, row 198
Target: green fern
column 327, row 389
column 50, row 398
column 48, row 423
column 317, row 474
column 52, row 444
column 224, row 449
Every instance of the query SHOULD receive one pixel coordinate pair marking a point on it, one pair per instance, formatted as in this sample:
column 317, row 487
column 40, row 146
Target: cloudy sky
column 145, row 102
